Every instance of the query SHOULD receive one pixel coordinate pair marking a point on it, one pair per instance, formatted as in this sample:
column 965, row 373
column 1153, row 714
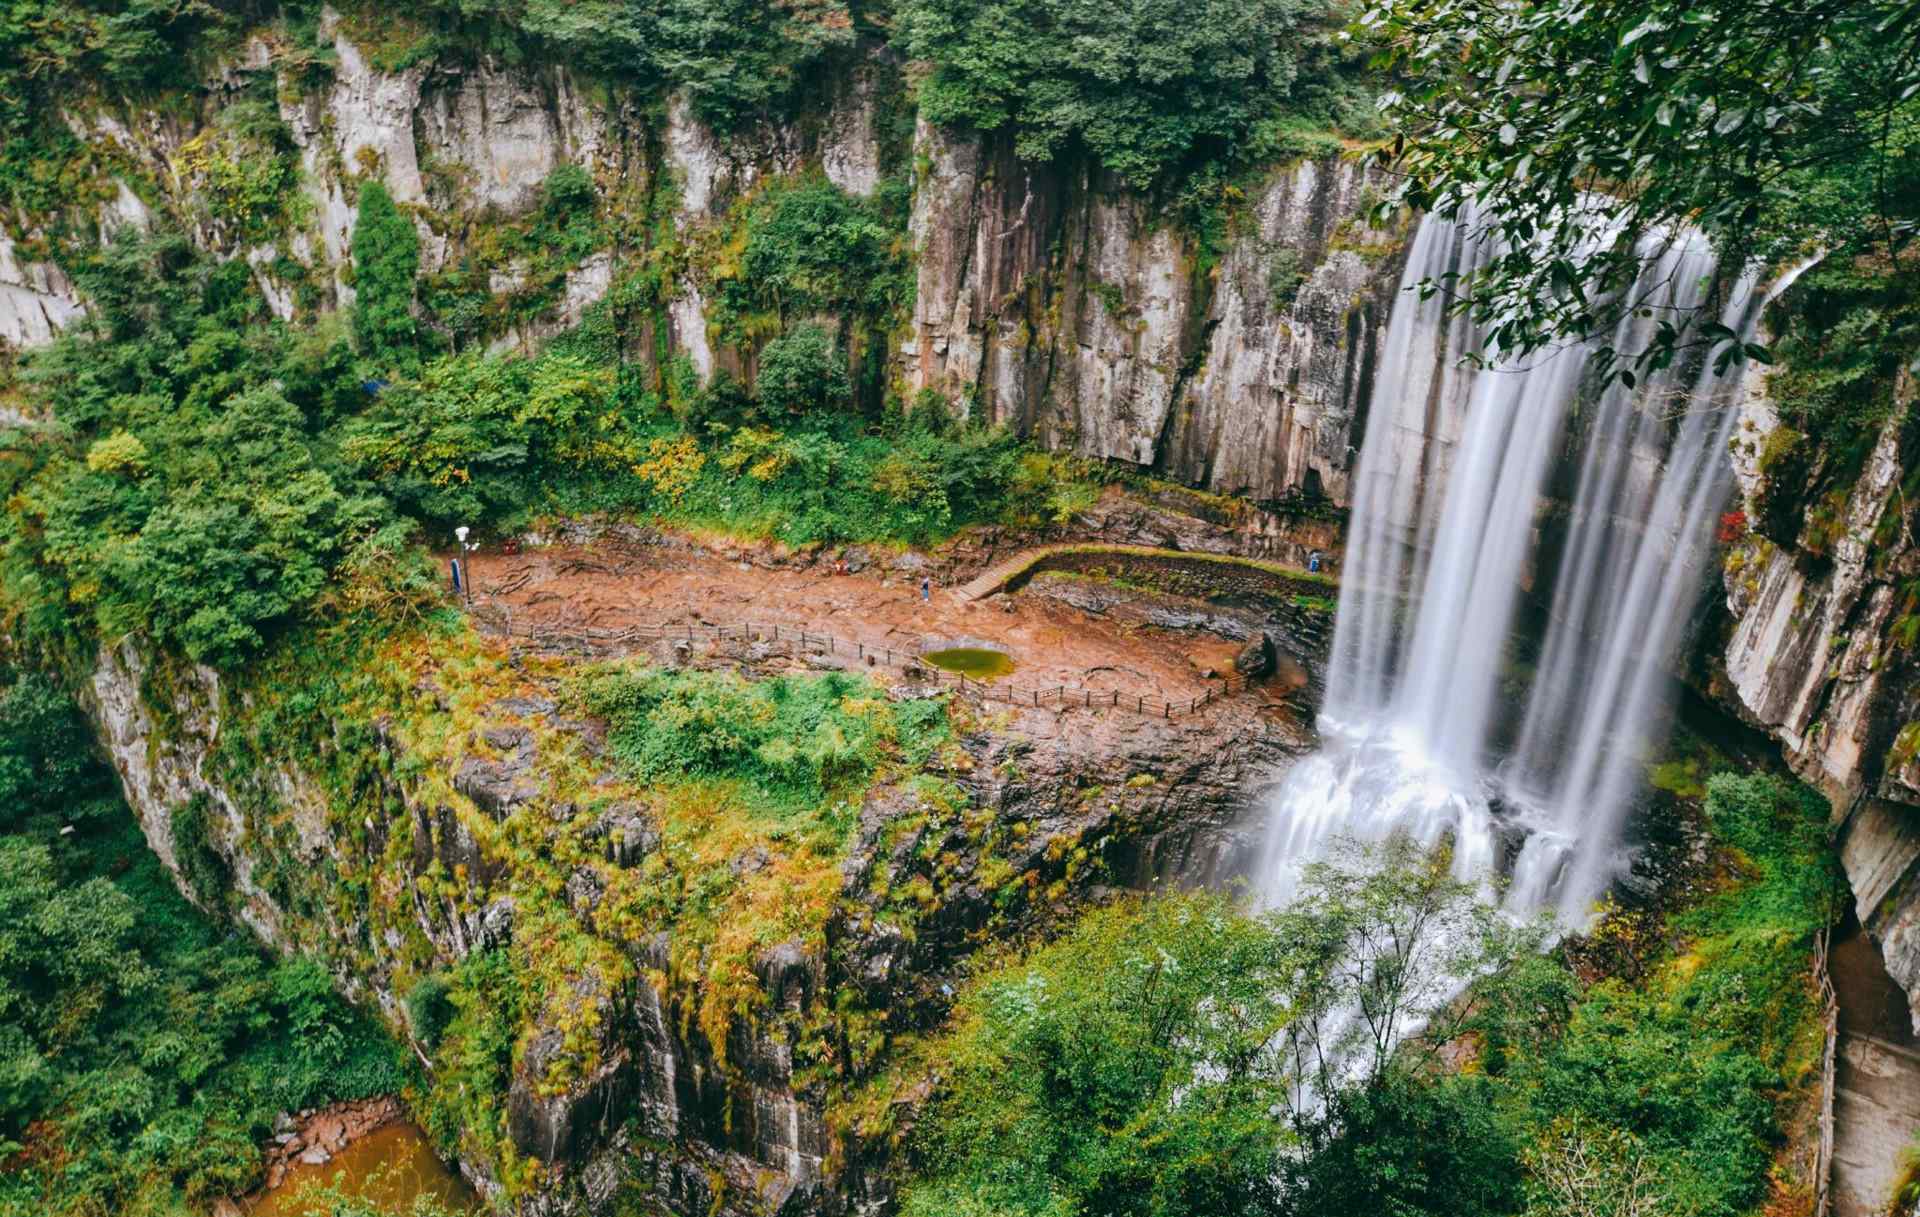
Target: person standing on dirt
column 926, row 589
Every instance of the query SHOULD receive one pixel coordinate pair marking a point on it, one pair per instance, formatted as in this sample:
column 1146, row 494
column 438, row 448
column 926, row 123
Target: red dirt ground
column 613, row 587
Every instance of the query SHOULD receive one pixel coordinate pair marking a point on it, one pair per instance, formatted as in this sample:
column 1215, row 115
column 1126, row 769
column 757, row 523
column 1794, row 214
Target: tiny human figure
column 1313, row 561
column 926, row 589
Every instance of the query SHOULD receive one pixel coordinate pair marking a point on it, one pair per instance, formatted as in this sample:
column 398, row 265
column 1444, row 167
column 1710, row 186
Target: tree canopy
column 1146, row 88
column 1573, row 129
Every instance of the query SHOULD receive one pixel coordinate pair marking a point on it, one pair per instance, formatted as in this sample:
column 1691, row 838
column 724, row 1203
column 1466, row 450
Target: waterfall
column 1428, row 728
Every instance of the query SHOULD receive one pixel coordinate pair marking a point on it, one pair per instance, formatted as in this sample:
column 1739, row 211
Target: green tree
column 1128, row 1069
column 386, row 260
column 1405, row 1146
column 1148, row 89
column 144, row 1050
column 803, row 372
column 1176, row 1056
column 1573, row 130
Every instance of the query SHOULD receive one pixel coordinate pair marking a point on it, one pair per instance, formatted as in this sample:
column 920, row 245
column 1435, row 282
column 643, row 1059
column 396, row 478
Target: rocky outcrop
column 1048, row 296
column 1054, row 301
column 1821, row 655
column 623, row 1078
column 37, row 300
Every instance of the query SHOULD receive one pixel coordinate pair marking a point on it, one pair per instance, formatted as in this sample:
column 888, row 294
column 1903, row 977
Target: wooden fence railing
column 586, row 639
column 1823, row 1156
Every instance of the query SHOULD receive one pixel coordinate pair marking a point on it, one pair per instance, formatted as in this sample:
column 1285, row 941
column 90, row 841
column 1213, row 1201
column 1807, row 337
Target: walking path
column 613, row 599
column 1003, row 573
column 1876, row 1108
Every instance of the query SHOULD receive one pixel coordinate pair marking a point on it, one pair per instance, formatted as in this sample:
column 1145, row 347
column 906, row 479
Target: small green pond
column 974, row 663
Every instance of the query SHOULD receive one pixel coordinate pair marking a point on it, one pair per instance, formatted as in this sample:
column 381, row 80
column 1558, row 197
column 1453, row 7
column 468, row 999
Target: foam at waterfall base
column 1372, row 782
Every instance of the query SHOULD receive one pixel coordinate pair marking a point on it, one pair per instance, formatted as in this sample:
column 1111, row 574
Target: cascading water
column 1420, row 735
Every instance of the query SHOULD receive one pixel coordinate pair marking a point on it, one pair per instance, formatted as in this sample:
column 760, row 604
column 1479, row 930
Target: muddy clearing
column 617, row 587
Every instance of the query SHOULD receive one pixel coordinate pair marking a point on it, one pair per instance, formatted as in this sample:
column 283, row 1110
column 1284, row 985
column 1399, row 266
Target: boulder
column 628, row 833
column 1258, row 659
column 499, row 787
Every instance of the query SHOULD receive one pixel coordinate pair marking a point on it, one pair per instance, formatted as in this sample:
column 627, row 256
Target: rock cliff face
column 624, row 1080
column 1821, row 654
column 1060, row 305
column 1047, row 297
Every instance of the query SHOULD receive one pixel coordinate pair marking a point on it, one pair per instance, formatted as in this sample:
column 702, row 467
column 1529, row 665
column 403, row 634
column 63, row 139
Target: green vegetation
column 1150, row 1061
column 182, row 491
column 1847, row 329
column 1577, row 128
column 386, row 261
column 53, row 49
column 793, row 743
column 144, row 1052
column 212, row 474
column 1154, row 92
column 738, row 60
column 806, row 248
column 1674, row 1071
column 1127, row 1070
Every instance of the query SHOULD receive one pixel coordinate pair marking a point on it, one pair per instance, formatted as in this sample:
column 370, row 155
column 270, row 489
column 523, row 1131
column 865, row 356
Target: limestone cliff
column 701, row 1005
column 1820, row 649
column 1061, row 305
column 1046, row 296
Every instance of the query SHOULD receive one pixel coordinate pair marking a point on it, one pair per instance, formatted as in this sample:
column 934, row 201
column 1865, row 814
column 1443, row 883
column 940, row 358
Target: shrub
column 430, row 1009
column 803, row 372
column 1147, row 89
column 790, row 742
column 386, row 260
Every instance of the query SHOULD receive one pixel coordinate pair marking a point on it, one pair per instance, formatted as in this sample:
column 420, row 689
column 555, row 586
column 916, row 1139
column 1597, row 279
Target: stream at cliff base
column 391, row 1167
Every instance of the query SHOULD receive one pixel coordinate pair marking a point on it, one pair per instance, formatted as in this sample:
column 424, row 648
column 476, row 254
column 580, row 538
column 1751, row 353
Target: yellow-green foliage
column 1681, row 1072
column 753, row 789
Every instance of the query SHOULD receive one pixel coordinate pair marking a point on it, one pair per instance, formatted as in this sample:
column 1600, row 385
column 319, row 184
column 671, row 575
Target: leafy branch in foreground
column 1573, row 133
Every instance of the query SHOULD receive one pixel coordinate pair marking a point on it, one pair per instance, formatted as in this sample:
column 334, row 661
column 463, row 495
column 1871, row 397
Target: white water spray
column 1421, row 735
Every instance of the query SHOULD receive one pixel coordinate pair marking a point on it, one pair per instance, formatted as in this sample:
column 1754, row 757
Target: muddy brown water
column 391, row 1168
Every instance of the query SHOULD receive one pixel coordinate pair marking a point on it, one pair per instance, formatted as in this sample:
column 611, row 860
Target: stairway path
column 997, row 576
column 1876, row 1100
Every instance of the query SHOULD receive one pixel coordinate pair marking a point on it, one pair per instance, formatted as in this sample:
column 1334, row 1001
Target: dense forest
column 236, row 475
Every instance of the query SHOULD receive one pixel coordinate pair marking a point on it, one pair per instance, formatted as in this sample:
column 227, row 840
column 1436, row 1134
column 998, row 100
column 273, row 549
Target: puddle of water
column 975, row 663
column 390, row 1168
